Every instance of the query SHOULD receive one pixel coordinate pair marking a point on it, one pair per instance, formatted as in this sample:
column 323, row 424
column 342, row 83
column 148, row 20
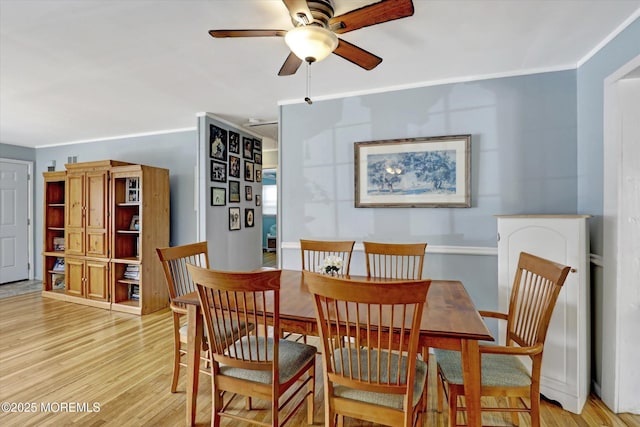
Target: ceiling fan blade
column 357, row 55
column 290, row 66
column 298, row 9
column 247, row 33
column 377, row 13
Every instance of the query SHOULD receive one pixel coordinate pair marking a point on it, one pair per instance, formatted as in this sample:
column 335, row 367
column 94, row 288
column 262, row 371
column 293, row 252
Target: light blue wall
column 523, row 161
column 16, row 152
column 173, row 151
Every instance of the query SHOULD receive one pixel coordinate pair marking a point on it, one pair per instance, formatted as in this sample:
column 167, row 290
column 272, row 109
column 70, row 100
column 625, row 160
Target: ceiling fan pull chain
column 307, row 98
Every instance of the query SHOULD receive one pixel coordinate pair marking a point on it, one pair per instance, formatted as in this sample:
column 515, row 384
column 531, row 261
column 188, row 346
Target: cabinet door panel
column 96, row 221
column 75, row 200
column 74, row 219
column 74, row 276
column 97, row 280
column 75, row 241
column 566, row 356
column 97, row 243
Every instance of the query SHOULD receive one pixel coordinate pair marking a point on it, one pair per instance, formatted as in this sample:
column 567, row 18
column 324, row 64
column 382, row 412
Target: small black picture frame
column 234, row 166
column 248, row 217
column 234, row 142
column 234, row 219
column 218, row 196
column 247, row 144
column 218, row 171
column 257, row 171
column 234, row 191
column 248, row 171
column 218, row 143
column 257, row 144
column 248, row 192
column 257, row 158
column 258, row 200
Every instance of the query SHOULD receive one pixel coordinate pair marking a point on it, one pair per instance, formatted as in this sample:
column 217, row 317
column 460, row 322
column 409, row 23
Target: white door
column 14, row 203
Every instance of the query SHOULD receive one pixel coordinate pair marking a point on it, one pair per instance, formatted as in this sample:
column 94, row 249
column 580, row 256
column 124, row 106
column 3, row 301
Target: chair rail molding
column 431, row 249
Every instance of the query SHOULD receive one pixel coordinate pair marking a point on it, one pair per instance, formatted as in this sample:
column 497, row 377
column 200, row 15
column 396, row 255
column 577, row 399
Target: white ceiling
column 85, row 70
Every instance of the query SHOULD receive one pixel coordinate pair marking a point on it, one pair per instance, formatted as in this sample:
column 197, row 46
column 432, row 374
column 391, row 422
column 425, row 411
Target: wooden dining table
column 450, row 320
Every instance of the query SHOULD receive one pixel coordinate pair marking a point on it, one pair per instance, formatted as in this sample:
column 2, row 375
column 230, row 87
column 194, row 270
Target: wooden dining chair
column 536, row 286
column 381, row 379
column 256, row 365
column 394, row 260
column 174, row 262
column 314, row 252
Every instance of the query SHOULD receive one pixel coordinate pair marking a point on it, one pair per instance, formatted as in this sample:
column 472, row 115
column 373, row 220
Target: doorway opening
column 269, row 218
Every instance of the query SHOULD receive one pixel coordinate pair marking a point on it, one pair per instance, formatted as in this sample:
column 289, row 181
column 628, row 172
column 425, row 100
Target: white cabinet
column 565, row 240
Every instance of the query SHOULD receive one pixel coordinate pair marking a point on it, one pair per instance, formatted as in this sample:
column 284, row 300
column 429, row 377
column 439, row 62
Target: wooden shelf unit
column 53, row 223
column 140, row 224
column 98, row 208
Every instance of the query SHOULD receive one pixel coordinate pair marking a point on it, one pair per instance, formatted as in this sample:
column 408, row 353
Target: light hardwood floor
column 60, row 354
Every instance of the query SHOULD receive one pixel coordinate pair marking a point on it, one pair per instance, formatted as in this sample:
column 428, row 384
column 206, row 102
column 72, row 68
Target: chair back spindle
column 394, row 260
column 536, row 287
column 314, row 253
column 241, row 298
column 174, row 262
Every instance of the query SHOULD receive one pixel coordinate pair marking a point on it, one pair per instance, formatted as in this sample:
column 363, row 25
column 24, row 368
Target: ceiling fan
column 314, row 35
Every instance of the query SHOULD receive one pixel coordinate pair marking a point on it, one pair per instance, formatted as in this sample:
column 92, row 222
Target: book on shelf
column 132, row 271
column 58, row 265
column 57, row 281
column 134, row 292
column 58, row 244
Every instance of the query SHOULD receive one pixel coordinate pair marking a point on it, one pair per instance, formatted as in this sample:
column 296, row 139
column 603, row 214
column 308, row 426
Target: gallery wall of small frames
column 235, row 159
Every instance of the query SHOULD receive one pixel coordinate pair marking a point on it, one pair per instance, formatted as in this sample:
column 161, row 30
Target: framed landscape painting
column 417, row 172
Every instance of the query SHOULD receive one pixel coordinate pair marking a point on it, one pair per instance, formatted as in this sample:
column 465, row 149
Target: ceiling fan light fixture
column 311, row 43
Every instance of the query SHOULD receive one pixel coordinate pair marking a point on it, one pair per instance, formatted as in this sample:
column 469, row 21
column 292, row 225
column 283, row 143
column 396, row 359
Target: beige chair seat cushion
column 291, row 358
column 383, row 399
column 498, row 370
column 229, row 326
